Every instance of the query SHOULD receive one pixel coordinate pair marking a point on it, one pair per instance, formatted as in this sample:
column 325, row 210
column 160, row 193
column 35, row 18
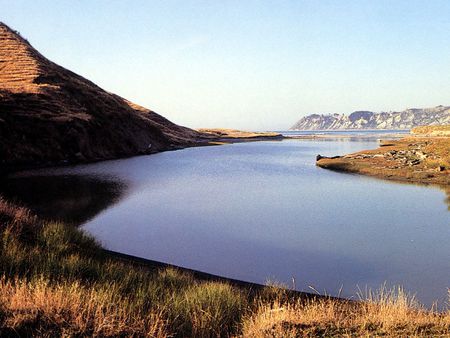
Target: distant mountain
column 49, row 114
column 406, row 119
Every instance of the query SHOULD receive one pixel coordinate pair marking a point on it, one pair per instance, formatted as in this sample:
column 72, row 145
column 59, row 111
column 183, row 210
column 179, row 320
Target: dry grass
column 432, row 130
column 15, row 216
column 60, row 282
column 19, row 69
column 72, row 309
column 389, row 313
column 440, row 148
column 238, row 134
column 56, row 281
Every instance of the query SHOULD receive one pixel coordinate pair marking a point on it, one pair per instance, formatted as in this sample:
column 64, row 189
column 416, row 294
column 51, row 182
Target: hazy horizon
column 258, row 65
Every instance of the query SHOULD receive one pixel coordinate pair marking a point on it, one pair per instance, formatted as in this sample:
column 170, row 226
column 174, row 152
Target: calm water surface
column 259, row 211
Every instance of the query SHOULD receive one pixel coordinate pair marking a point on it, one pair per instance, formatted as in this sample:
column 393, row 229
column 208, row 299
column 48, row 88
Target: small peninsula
column 422, row 157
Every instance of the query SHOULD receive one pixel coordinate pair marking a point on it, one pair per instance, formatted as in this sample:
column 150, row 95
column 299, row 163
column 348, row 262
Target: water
column 256, row 212
column 350, row 133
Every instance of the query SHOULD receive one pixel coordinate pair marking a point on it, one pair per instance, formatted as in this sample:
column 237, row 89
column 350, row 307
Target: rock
column 421, row 155
column 414, row 162
column 319, row 157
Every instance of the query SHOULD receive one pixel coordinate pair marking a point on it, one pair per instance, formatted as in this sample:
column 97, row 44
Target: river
column 257, row 211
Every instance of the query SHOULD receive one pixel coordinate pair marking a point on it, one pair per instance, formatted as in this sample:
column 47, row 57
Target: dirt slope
column 50, row 115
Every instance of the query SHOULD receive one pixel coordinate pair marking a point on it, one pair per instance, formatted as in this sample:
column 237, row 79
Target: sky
column 256, row 65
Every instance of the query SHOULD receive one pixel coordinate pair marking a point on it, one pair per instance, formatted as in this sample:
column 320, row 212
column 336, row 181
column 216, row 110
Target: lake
column 257, row 211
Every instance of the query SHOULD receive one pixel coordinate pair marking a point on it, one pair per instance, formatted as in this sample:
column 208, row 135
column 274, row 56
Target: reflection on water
column 255, row 211
column 73, row 199
column 447, row 191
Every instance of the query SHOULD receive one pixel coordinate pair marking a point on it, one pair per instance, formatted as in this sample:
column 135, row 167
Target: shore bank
column 217, row 136
column 416, row 158
column 209, row 137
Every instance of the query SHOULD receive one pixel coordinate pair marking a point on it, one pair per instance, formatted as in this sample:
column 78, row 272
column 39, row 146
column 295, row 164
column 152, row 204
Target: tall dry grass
column 69, row 308
column 56, row 281
column 385, row 312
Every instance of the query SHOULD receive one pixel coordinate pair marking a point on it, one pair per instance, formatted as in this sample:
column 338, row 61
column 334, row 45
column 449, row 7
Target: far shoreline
column 210, row 137
column 214, row 137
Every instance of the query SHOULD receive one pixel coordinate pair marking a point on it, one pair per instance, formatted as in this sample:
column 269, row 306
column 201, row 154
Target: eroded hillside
column 50, row 115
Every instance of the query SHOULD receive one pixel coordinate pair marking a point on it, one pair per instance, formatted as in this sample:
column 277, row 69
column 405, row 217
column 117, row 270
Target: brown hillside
column 440, row 131
column 51, row 115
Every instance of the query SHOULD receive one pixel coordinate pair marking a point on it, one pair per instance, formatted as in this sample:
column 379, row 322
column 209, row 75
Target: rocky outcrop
column 50, row 115
column 406, row 119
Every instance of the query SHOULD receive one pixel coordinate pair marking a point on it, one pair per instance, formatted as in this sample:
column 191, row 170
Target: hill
column 50, row 115
column 440, row 131
column 406, row 119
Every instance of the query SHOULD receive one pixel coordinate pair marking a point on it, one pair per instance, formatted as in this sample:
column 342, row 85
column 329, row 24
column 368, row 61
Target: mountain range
column 406, row 119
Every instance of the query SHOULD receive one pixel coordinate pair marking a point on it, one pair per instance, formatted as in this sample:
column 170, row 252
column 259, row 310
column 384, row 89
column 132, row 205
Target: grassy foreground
column 55, row 280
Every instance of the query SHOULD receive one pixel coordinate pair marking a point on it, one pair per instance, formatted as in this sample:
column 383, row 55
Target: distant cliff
column 406, row 119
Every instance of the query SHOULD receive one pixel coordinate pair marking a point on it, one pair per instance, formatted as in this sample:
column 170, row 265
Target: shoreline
column 97, row 292
column 211, row 137
column 252, row 287
column 205, row 140
column 413, row 159
column 178, row 296
column 339, row 163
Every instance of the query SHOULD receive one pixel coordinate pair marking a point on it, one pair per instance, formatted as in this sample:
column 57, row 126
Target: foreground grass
column 383, row 313
column 54, row 280
column 58, row 280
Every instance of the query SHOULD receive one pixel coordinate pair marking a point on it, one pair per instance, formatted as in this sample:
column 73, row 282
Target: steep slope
column 50, row 115
column 406, row 119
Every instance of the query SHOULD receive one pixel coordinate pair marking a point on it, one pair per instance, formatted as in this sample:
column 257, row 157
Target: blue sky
column 248, row 64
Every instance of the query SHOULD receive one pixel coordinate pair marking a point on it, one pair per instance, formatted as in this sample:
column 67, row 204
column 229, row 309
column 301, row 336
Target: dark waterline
column 259, row 211
column 69, row 198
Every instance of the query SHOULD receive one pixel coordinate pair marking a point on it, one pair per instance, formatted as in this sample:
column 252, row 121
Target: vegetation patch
column 57, row 281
